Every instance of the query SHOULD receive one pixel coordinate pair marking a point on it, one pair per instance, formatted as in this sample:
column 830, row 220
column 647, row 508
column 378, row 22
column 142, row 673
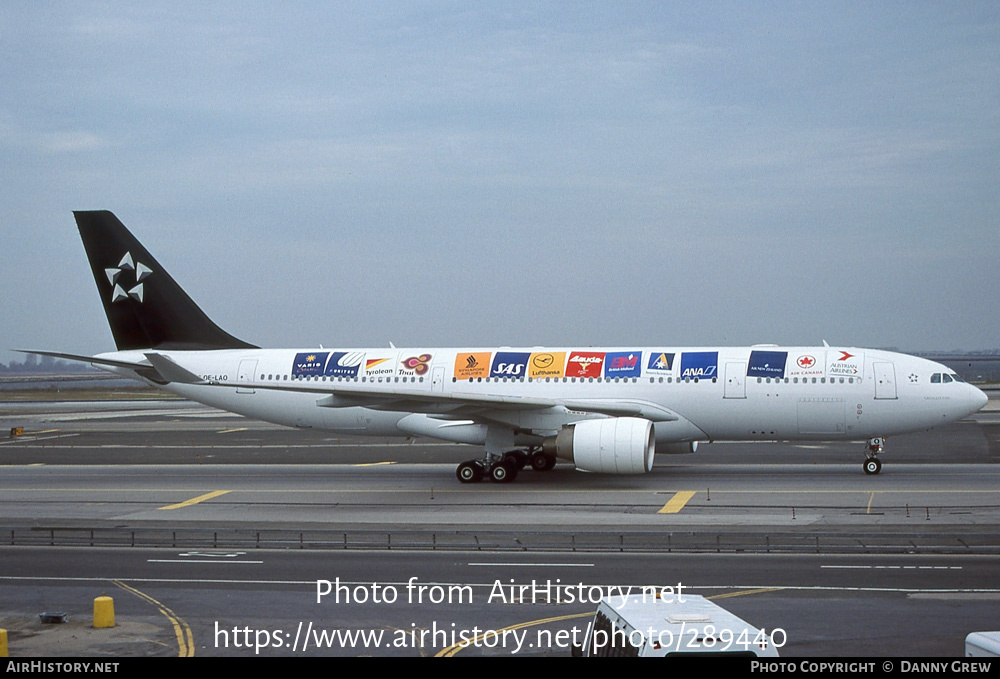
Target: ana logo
column 805, row 362
column 139, row 272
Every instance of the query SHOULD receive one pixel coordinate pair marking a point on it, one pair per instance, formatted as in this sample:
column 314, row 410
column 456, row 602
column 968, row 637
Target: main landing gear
column 504, row 469
column 873, row 465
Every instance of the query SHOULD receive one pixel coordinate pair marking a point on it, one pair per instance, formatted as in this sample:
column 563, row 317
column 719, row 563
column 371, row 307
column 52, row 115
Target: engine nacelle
column 614, row 445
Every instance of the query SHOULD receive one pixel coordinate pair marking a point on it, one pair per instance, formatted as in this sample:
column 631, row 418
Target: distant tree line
column 46, row 365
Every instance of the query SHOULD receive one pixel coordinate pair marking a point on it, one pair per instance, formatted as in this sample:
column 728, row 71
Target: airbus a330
column 606, row 409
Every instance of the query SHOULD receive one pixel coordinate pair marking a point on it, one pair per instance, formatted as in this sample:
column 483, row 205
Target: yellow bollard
column 104, row 612
column 3, row 644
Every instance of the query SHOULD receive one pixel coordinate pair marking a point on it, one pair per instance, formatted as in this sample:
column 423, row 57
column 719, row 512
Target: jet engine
column 614, row 445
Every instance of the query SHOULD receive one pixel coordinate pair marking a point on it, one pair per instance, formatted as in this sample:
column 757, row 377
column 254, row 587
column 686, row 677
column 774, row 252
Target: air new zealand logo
column 139, row 272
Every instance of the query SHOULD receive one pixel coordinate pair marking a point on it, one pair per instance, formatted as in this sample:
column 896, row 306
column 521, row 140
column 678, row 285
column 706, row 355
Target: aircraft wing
column 467, row 404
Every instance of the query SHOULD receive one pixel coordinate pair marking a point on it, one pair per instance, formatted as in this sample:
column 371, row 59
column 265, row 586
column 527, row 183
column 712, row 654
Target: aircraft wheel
column 504, row 472
column 518, row 458
column 541, row 462
column 469, row 472
column 873, row 465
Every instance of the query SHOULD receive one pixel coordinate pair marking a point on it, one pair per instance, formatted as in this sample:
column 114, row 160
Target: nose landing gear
column 872, row 464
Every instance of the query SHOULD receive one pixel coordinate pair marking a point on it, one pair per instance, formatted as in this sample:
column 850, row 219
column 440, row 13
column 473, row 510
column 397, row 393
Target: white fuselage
column 690, row 394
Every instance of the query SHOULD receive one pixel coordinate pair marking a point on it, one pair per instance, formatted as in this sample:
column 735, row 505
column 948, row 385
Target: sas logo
column 585, row 364
column 309, row 364
column 623, row 364
column 415, row 365
column 547, row 364
column 660, row 363
column 699, row 364
column 509, row 364
column 471, row 366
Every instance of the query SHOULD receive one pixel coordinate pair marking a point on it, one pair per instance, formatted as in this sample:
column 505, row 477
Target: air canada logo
column 129, row 274
column 806, row 362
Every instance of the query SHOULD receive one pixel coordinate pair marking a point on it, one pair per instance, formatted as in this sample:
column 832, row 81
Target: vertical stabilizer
column 145, row 306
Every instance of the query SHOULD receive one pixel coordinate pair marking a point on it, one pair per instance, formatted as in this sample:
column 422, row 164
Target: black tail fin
column 145, row 307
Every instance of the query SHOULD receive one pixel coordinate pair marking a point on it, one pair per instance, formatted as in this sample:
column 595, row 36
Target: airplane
column 606, row 410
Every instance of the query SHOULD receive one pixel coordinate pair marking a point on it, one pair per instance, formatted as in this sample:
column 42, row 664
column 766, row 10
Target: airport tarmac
column 218, row 519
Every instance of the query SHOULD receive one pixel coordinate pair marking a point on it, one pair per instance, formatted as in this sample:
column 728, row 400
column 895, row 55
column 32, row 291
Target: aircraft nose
column 978, row 399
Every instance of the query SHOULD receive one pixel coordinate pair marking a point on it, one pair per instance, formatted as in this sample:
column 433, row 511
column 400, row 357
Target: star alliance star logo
column 139, row 272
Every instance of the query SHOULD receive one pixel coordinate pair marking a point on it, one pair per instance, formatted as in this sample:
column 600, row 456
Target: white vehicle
column 653, row 627
column 982, row 645
column 603, row 409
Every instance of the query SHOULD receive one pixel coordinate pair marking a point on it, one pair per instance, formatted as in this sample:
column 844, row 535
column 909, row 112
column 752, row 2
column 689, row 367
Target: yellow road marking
column 763, row 590
column 870, row 500
column 677, row 502
column 185, row 640
column 374, row 464
column 230, row 431
column 455, row 648
column 196, row 500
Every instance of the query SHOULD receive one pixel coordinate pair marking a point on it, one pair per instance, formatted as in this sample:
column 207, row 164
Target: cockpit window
column 946, row 378
column 956, row 378
column 936, row 378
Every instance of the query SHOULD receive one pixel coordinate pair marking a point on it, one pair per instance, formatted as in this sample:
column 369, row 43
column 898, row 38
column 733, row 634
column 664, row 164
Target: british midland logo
column 127, row 273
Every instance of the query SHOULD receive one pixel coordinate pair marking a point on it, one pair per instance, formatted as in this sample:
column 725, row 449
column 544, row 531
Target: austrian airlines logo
column 139, row 272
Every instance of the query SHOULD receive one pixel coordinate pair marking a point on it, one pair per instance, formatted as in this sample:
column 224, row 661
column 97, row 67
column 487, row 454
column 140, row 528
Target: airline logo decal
column 509, row 364
column 767, row 364
column 309, row 364
column 415, row 365
column 470, row 366
column 547, row 364
column 585, row 364
column 380, row 365
column 139, row 272
column 660, row 363
column 623, row 364
column 844, row 364
column 344, row 363
column 806, row 365
column 699, row 364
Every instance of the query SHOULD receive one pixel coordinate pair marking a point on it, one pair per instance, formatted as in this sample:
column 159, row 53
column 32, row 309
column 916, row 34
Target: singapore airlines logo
column 139, row 272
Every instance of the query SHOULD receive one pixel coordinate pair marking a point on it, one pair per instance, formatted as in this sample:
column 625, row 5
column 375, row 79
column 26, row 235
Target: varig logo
column 138, row 273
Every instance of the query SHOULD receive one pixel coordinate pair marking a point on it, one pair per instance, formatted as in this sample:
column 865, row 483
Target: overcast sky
column 449, row 174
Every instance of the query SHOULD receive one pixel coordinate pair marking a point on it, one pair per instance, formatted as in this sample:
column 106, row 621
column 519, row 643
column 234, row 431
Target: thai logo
column 417, row 364
column 128, row 273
